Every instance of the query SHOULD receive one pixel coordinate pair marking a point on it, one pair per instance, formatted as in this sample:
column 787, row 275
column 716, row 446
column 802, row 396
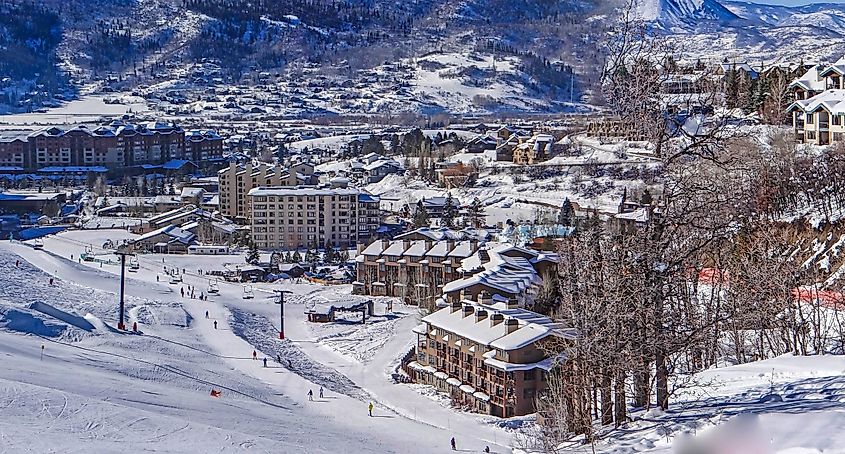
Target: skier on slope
column 310, row 395
column 371, row 409
column 321, row 392
column 215, row 324
column 454, row 446
column 265, row 361
column 254, row 355
column 206, row 314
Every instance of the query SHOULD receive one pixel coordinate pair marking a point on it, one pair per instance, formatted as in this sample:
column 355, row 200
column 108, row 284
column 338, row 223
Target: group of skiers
column 192, row 293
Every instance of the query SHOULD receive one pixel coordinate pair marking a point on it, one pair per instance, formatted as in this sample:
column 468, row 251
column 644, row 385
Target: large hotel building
column 298, row 217
column 118, row 144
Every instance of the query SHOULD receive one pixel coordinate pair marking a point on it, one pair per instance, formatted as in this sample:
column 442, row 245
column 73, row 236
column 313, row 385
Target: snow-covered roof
column 811, row 80
column 191, row 192
column 417, row 249
column 829, row 100
column 174, row 232
column 462, row 249
column 301, row 191
column 396, row 248
column 526, row 327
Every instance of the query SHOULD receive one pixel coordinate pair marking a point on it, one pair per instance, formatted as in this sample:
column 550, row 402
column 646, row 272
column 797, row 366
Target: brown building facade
column 487, row 355
column 119, row 144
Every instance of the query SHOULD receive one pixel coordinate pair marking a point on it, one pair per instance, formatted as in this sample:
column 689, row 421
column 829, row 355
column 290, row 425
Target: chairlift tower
column 281, row 303
column 122, row 252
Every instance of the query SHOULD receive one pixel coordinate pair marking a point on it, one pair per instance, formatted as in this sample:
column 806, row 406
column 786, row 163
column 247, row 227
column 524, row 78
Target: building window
column 809, row 118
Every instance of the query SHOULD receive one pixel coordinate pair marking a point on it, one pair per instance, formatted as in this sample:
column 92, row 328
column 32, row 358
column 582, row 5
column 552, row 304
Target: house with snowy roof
column 818, row 112
column 488, row 354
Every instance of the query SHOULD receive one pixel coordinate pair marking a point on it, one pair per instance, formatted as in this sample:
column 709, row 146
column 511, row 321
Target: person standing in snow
column 486, row 449
column 265, row 361
column 321, row 392
column 206, row 314
column 182, row 290
column 454, row 446
column 201, row 296
column 156, row 277
column 51, row 281
column 310, row 395
column 371, row 409
column 254, row 355
column 215, row 324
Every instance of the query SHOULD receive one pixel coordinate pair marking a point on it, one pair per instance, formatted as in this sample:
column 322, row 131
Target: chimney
column 406, row 243
column 480, row 315
column 455, row 307
column 428, row 245
column 468, row 310
column 483, row 255
column 484, row 297
column 511, row 325
column 495, row 319
column 384, row 244
column 513, row 303
column 450, row 244
column 473, row 244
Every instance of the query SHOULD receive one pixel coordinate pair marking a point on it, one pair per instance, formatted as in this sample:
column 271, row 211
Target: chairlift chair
column 213, row 289
column 248, row 293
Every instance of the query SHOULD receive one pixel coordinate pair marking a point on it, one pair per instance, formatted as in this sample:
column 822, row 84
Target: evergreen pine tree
column 567, row 213
column 475, row 212
column 252, row 256
column 421, row 216
column 449, row 212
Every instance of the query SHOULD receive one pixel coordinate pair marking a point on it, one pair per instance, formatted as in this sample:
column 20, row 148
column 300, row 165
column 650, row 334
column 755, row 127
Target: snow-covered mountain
column 751, row 31
column 685, row 14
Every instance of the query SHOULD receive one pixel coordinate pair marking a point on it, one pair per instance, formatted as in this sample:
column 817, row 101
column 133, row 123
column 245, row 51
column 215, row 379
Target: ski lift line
column 168, row 368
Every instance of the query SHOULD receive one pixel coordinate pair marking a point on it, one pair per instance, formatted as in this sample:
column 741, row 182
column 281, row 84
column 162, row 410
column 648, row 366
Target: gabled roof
column 810, row 81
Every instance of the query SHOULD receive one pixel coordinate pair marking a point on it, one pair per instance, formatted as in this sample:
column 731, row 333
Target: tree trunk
column 606, row 399
column 661, row 380
column 620, row 413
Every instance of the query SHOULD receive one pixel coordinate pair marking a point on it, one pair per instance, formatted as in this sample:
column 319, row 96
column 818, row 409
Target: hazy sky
column 795, row 2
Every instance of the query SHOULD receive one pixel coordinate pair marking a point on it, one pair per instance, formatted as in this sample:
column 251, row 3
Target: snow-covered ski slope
column 99, row 390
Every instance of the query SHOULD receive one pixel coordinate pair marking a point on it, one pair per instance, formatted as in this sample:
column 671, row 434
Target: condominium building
column 489, row 355
column 818, row 112
column 116, row 145
column 414, row 270
column 424, row 271
column 298, row 217
column 237, row 180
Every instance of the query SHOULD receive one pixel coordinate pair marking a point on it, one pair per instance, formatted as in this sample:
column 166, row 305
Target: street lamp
column 122, row 252
column 281, row 303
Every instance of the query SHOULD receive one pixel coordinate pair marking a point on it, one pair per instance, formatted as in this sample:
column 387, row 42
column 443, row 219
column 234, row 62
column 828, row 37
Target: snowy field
column 87, row 109
column 151, row 391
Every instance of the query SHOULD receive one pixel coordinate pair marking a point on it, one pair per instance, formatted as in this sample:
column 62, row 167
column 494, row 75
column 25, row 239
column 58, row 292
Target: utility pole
column 281, row 304
column 122, row 252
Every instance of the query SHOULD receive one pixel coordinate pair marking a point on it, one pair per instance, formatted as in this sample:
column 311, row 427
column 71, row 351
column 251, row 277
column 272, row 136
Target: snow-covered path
column 399, row 409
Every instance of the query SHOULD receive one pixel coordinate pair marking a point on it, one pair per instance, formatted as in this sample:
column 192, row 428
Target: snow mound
column 33, row 322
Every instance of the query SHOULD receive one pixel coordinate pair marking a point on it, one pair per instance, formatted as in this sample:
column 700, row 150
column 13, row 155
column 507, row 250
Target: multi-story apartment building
column 425, row 271
column 489, row 355
column 119, row 144
column 298, row 217
column 237, row 180
column 818, row 112
column 414, row 270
